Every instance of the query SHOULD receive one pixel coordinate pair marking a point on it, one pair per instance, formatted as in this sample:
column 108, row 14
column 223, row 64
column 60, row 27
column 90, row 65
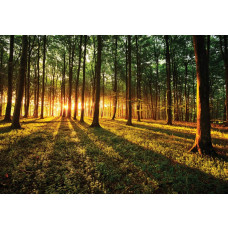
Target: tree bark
column 43, row 86
column 22, row 75
column 10, row 77
column 224, row 52
column 77, row 79
column 1, row 80
column 38, row 81
column 95, row 122
column 63, row 85
column 203, row 142
column 138, row 79
column 83, row 82
column 129, row 121
column 115, row 81
column 168, row 73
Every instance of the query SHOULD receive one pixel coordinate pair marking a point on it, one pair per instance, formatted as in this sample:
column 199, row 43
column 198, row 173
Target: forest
column 114, row 114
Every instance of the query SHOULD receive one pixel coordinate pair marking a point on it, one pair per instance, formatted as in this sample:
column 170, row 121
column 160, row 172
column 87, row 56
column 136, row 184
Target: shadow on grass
column 171, row 175
column 173, row 132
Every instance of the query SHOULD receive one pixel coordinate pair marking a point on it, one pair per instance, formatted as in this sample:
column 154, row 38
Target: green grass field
column 58, row 155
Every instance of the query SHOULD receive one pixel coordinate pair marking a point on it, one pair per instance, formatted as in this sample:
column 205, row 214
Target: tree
column 77, row 79
column 27, row 100
column 83, row 82
column 224, row 51
column 168, row 81
column 115, row 80
column 203, row 142
column 138, row 79
column 95, row 122
column 22, row 75
column 71, row 61
column 129, row 121
column 38, row 80
column 1, row 79
column 43, row 86
column 10, row 76
column 63, row 85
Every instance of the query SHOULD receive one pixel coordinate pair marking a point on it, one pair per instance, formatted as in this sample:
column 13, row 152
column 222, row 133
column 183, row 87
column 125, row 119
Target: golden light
column 79, row 105
column 65, row 106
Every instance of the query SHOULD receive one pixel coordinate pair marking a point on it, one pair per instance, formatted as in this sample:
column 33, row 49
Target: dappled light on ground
column 60, row 155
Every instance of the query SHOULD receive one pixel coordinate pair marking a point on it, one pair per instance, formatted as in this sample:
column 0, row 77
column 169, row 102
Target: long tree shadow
column 170, row 175
column 118, row 175
column 173, row 132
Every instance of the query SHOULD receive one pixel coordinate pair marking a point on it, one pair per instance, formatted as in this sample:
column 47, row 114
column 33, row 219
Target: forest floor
column 58, row 155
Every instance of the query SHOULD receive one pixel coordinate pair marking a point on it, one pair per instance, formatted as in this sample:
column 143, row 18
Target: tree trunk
column 83, row 82
column 126, row 115
column 38, row 81
column 63, row 85
column 43, row 87
column 203, row 134
column 1, row 80
column 77, row 80
column 10, row 76
column 115, row 81
column 138, row 79
column 169, row 100
column 129, row 121
column 22, row 75
column 95, row 122
column 225, row 59
column 185, row 93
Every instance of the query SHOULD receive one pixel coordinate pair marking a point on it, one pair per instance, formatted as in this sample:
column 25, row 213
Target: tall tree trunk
column 138, row 79
column 77, row 79
column 115, row 81
column 185, row 93
column 1, row 79
column 22, row 75
column 103, row 96
column 71, row 62
column 43, row 87
column 53, row 92
column 10, row 76
column 224, row 52
column 63, row 85
column 129, row 121
column 83, row 82
column 168, row 72
column 203, row 142
column 95, row 122
column 126, row 115
column 38, row 80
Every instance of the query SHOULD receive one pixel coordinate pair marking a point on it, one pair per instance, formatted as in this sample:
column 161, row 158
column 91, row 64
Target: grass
column 58, row 155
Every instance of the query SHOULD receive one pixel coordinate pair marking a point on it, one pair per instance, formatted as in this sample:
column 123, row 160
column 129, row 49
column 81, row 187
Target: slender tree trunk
column 83, row 82
column 126, row 116
column 103, row 96
column 129, row 121
column 95, row 122
column 138, row 79
column 169, row 100
column 38, row 80
column 185, row 93
column 63, row 85
column 22, row 75
column 115, row 81
column 43, row 87
column 224, row 52
column 77, row 79
column 71, row 62
column 1, row 80
column 10, row 76
column 53, row 92
column 203, row 142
